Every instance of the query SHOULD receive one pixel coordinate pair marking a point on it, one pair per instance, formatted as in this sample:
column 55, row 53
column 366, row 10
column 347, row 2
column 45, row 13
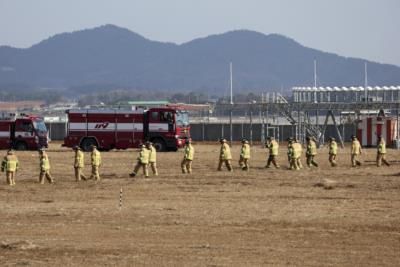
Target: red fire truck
column 107, row 129
column 22, row 132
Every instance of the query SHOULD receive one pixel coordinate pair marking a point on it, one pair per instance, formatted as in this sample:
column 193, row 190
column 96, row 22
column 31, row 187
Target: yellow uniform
column 153, row 159
column 45, row 168
column 292, row 161
column 381, row 153
column 79, row 164
column 95, row 160
column 244, row 156
column 296, row 156
column 142, row 161
column 311, row 152
column 225, row 156
column 188, row 156
column 355, row 152
column 10, row 166
column 332, row 152
column 273, row 147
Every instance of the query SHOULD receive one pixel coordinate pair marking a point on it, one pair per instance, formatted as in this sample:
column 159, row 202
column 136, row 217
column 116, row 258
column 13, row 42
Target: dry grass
column 260, row 217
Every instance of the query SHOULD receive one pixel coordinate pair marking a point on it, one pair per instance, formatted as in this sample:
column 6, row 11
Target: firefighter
column 311, row 152
column 356, row 151
column 290, row 151
column 95, row 160
column 273, row 147
column 298, row 150
column 10, row 166
column 381, row 152
column 142, row 161
column 332, row 151
column 188, row 156
column 225, row 155
column 152, row 157
column 244, row 155
column 79, row 164
column 292, row 155
column 44, row 167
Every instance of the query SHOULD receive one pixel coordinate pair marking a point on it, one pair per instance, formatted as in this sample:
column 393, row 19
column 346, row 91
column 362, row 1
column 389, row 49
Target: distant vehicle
column 121, row 129
column 22, row 132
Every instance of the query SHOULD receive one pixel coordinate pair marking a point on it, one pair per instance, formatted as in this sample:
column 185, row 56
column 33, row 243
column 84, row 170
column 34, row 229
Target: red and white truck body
column 22, row 132
column 370, row 128
column 121, row 129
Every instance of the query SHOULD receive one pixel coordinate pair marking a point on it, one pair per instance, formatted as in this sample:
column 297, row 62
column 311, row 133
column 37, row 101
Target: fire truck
column 165, row 127
column 22, row 132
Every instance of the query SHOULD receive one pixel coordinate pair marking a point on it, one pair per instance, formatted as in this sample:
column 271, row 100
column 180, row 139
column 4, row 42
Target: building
column 346, row 94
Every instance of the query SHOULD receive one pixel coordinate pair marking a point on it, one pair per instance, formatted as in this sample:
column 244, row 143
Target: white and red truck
column 22, row 132
column 166, row 127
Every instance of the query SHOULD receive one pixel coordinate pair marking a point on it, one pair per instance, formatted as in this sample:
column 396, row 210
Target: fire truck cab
column 22, row 132
column 121, row 129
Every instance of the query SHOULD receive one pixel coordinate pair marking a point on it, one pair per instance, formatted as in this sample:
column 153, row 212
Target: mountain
column 113, row 57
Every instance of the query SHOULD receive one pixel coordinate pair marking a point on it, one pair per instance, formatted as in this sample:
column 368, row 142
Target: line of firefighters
column 148, row 157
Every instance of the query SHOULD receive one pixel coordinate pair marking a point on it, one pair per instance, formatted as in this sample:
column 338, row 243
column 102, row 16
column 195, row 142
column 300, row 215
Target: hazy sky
column 358, row 28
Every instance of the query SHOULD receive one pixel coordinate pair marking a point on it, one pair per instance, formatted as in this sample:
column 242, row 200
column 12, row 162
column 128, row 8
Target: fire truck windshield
column 182, row 118
column 40, row 126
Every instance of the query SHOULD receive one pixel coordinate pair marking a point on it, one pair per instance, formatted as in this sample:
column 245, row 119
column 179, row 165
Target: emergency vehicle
column 165, row 127
column 22, row 132
column 370, row 128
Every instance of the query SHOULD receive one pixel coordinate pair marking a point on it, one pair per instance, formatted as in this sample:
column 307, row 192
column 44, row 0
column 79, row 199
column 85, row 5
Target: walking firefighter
column 332, row 151
column 355, row 151
column 9, row 165
column 152, row 157
column 244, row 155
column 79, row 164
column 188, row 156
column 273, row 147
column 297, row 151
column 142, row 162
column 381, row 152
column 95, row 160
column 311, row 152
column 44, row 163
column 292, row 155
column 225, row 156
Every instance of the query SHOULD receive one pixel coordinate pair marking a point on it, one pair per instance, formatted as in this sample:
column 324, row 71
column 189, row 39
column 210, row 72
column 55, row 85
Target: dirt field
column 210, row 218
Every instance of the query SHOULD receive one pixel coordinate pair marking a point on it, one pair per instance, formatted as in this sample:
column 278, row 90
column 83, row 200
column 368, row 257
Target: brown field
column 256, row 218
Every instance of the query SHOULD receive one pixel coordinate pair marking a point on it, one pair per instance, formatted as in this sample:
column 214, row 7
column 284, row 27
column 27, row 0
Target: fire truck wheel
column 87, row 143
column 21, row 146
column 159, row 144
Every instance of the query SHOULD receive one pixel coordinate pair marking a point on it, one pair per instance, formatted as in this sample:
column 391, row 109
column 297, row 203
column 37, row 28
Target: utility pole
column 231, row 106
column 366, row 82
column 315, row 81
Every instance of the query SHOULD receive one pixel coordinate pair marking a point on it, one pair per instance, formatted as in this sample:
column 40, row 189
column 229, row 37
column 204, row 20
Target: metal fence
column 206, row 131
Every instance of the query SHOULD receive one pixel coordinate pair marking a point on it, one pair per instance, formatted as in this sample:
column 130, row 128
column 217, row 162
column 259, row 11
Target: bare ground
column 210, row 218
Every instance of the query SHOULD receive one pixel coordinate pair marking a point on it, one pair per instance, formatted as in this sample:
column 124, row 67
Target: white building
column 346, row 94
